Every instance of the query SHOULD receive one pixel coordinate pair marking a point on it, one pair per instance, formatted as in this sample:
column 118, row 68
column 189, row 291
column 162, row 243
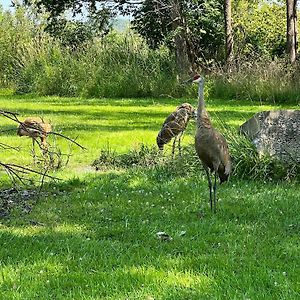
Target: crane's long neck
column 202, row 115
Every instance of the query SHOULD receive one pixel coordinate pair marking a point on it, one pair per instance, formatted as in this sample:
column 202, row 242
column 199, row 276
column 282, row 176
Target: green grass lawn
column 95, row 232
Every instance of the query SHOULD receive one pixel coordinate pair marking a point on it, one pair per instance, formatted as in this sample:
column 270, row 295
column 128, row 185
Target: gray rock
column 276, row 133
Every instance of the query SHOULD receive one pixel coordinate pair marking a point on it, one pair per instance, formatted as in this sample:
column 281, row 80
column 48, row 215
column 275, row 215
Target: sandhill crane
column 211, row 146
column 174, row 126
column 35, row 128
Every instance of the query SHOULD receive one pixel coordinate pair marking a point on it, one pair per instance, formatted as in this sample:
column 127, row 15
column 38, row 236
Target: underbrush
column 122, row 65
column 247, row 163
column 149, row 157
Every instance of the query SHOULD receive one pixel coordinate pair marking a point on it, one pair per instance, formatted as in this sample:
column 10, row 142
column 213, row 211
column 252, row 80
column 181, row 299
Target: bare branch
column 6, row 147
column 16, row 171
column 67, row 138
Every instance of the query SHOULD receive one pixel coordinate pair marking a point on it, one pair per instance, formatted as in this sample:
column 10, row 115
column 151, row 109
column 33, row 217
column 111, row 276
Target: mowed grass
column 95, row 236
column 101, row 123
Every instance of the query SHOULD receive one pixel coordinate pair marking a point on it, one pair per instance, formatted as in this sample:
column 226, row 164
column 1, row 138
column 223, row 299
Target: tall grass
column 122, row 65
column 247, row 163
column 260, row 79
column 119, row 65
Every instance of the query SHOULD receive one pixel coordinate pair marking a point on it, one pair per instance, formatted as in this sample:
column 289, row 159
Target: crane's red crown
column 197, row 76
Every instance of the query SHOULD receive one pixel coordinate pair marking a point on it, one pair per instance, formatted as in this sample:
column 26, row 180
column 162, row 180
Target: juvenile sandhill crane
column 35, row 128
column 211, row 146
column 174, row 126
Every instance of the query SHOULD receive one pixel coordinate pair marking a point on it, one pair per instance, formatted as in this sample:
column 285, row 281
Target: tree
column 228, row 32
column 107, row 9
column 192, row 27
column 259, row 30
column 291, row 32
column 179, row 26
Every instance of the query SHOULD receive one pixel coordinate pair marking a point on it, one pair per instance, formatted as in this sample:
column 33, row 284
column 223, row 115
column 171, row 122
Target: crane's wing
column 170, row 118
column 223, row 152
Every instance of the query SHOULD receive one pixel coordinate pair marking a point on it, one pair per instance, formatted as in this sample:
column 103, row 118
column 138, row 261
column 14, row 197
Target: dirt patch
column 14, row 198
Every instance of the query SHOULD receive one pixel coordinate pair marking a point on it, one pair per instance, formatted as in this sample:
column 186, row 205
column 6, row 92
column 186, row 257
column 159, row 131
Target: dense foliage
column 75, row 57
column 203, row 21
column 260, row 30
column 116, row 65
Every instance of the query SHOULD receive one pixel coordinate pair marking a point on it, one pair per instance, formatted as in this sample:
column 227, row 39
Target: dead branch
column 13, row 116
column 17, row 172
column 67, row 138
column 7, row 147
column 10, row 115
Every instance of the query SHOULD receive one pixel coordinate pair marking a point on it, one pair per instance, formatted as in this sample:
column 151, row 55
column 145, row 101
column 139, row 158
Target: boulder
column 276, row 133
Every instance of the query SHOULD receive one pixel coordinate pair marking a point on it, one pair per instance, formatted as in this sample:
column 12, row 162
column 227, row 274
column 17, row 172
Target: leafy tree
column 62, row 23
column 199, row 23
column 193, row 29
column 74, row 33
column 259, row 29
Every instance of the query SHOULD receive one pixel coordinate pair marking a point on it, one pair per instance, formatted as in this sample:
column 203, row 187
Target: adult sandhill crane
column 35, row 128
column 174, row 126
column 211, row 146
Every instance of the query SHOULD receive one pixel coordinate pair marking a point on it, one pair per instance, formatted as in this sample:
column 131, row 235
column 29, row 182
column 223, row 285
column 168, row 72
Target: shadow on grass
column 120, row 121
column 66, row 101
column 99, row 239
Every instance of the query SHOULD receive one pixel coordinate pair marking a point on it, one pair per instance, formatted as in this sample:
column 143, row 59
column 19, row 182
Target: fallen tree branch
column 16, row 172
column 10, row 115
column 13, row 116
column 67, row 138
column 7, row 147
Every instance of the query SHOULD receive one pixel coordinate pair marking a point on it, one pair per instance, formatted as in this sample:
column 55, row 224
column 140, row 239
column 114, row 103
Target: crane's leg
column 33, row 151
column 210, row 187
column 215, row 192
column 173, row 147
column 179, row 143
column 44, row 146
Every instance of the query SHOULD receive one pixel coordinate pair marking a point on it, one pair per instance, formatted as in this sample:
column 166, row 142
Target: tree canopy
column 258, row 26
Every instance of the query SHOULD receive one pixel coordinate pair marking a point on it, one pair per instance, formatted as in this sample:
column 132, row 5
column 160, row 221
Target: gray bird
column 211, row 147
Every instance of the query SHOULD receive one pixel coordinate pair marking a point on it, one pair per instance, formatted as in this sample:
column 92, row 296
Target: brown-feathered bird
column 35, row 128
column 211, row 146
column 174, row 126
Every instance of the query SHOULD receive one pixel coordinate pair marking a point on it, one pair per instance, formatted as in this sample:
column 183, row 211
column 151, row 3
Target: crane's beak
column 190, row 80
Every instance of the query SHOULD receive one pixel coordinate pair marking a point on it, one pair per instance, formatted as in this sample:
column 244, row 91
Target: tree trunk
column 180, row 40
column 291, row 32
column 228, row 32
